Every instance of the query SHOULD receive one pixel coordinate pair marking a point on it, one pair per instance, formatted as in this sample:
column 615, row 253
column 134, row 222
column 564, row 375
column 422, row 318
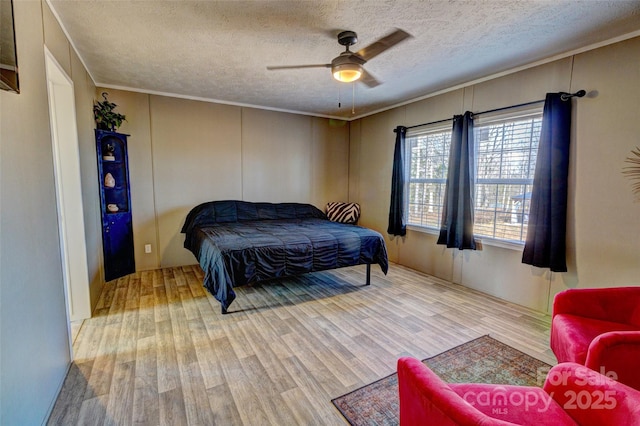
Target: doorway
column 66, row 156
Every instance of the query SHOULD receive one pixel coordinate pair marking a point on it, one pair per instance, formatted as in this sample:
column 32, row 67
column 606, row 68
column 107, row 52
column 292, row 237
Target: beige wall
column 603, row 244
column 606, row 220
column 184, row 152
column 34, row 340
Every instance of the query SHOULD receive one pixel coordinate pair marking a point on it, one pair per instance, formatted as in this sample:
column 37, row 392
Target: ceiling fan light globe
column 347, row 76
column 347, row 73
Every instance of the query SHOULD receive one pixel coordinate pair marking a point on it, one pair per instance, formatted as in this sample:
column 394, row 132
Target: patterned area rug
column 483, row 360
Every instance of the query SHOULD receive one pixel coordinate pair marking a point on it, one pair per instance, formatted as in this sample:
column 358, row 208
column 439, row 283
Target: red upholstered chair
column 572, row 395
column 599, row 328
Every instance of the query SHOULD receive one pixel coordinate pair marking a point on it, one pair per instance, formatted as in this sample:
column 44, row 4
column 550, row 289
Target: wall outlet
column 147, row 248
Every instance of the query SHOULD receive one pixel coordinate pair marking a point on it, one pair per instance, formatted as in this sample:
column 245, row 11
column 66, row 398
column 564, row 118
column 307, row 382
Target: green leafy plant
column 105, row 116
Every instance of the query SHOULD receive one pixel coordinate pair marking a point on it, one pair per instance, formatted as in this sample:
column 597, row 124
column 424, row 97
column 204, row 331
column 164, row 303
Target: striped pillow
column 343, row 212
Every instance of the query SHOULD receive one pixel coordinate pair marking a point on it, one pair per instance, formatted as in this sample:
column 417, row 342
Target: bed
column 239, row 242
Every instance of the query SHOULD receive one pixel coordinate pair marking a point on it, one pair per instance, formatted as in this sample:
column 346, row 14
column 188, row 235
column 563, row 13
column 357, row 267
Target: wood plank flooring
column 159, row 352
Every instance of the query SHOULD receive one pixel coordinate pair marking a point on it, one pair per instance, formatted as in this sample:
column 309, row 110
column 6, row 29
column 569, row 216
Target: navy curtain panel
column 545, row 246
column 456, row 229
column 397, row 224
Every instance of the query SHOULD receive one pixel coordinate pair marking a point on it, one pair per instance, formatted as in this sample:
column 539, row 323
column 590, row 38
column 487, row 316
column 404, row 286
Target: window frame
column 437, row 128
column 534, row 112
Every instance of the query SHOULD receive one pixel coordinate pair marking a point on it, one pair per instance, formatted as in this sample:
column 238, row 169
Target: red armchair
column 599, row 328
column 572, row 395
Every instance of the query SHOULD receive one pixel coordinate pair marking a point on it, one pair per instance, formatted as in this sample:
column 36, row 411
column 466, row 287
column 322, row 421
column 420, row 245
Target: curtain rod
column 563, row 96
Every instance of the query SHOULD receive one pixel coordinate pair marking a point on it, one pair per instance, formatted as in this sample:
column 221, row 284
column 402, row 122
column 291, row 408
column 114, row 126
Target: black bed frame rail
column 368, row 274
column 368, row 282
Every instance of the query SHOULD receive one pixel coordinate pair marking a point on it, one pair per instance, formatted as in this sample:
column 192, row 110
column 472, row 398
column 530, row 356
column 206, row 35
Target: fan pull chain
column 339, row 103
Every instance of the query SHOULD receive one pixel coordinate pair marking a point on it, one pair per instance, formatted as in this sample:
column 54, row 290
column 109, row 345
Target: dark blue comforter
column 237, row 243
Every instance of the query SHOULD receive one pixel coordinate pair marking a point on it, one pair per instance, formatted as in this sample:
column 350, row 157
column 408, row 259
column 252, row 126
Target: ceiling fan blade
column 368, row 79
column 291, row 67
column 386, row 42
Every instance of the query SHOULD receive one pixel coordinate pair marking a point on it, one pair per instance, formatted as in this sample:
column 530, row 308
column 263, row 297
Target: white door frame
column 66, row 155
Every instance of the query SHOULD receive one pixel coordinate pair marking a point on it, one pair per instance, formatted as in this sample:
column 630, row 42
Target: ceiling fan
column 348, row 66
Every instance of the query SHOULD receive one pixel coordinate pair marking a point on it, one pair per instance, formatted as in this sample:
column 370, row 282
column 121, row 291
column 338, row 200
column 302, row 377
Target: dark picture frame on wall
column 8, row 54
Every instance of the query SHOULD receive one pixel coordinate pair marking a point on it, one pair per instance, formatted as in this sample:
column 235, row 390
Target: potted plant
column 105, row 116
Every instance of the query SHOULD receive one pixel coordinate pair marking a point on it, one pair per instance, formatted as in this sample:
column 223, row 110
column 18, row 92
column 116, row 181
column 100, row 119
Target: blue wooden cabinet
column 115, row 204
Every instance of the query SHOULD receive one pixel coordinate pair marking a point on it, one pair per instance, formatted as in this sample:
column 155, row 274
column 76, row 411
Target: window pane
column 428, row 158
column 508, row 150
column 425, row 204
column 502, row 211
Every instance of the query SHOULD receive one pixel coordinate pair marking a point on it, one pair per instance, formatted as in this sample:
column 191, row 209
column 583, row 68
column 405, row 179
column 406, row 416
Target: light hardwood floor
column 158, row 351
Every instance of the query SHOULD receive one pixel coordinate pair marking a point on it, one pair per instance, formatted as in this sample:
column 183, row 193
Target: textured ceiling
column 219, row 50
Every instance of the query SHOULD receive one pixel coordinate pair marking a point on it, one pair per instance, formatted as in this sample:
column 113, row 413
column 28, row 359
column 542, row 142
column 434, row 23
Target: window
column 428, row 159
column 506, row 151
